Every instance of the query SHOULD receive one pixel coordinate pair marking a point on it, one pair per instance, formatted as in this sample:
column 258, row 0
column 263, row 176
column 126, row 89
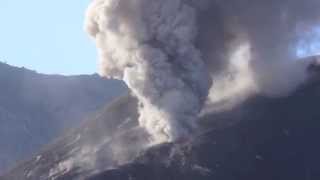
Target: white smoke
column 169, row 51
column 235, row 84
column 150, row 45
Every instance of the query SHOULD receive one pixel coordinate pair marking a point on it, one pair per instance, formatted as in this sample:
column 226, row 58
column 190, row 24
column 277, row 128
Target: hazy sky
column 46, row 36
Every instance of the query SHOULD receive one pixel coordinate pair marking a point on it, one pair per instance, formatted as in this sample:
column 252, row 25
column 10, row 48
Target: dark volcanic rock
column 275, row 139
column 261, row 139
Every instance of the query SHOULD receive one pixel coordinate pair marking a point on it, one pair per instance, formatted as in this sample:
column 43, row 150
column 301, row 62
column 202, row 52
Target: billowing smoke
column 169, row 51
column 251, row 46
column 150, row 44
column 274, row 28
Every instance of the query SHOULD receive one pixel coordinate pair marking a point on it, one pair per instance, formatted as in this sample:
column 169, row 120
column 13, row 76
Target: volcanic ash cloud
column 169, row 51
column 150, row 45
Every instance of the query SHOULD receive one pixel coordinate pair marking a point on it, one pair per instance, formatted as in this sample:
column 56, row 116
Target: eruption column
column 149, row 44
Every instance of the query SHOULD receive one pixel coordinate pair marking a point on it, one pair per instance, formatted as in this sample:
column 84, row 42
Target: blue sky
column 310, row 45
column 46, row 36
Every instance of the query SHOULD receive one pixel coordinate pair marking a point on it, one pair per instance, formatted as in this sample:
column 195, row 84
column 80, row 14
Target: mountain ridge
column 268, row 142
column 261, row 138
column 35, row 108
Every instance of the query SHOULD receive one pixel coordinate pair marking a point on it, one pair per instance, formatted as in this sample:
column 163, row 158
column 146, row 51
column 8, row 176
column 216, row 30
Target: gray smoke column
column 169, row 51
column 150, row 44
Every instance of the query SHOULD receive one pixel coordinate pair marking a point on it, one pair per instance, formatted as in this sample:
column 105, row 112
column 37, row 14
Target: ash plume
column 273, row 29
column 150, row 44
column 169, row 51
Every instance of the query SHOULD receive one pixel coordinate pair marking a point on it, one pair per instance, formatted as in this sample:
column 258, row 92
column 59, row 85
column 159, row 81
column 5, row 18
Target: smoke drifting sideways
column 258, row 47
column 171, row 53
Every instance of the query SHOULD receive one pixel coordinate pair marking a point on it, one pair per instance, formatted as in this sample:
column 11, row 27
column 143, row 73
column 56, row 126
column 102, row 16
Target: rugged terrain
column 36, row 108
column 263, row 138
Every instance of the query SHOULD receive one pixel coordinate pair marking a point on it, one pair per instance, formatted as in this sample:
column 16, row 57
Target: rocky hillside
column 263, row 138
column 36, row 108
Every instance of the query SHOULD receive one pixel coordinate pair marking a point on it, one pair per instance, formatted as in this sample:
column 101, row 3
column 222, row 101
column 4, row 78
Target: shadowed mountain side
column 36, row 108
column 89, row 148
column 262, row 138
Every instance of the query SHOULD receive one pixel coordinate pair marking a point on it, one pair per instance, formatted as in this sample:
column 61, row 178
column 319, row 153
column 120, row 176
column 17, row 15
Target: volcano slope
column 262, row 138
column 36, row 108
